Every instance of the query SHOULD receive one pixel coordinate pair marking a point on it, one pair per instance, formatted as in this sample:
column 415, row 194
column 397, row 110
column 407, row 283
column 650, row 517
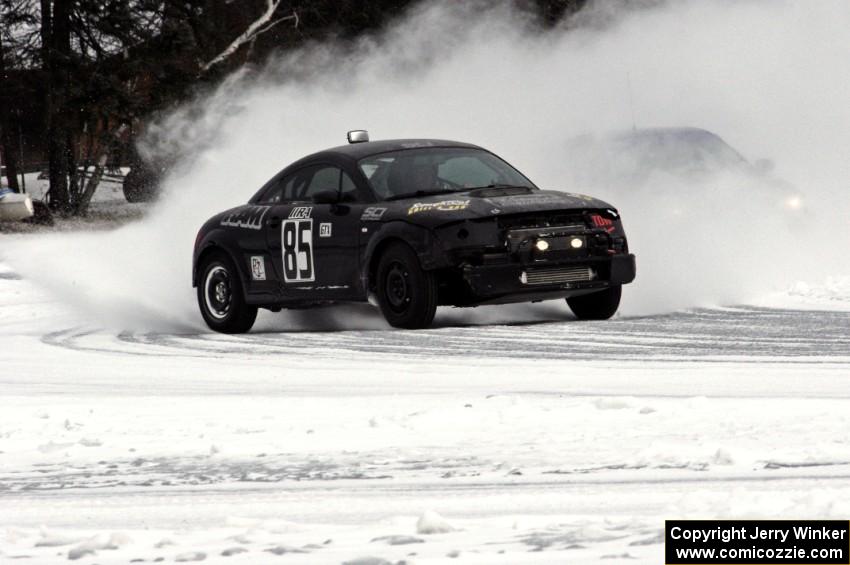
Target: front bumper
column 518, row 282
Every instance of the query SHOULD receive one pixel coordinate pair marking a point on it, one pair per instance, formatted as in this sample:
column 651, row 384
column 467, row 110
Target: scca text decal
column 248, row 217
column 444, row 206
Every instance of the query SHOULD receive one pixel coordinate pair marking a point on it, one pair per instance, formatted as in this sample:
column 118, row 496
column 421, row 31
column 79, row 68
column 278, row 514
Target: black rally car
column 410, row 224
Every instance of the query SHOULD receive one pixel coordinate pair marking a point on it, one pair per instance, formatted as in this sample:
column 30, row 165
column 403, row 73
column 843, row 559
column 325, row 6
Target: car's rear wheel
column 598, row 305
column 406, row 293
column 220, row 297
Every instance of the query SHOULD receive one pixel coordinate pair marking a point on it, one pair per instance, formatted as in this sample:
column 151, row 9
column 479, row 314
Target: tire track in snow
column 745, row 334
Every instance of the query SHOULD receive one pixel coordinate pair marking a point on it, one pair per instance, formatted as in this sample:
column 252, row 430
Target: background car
column 684, row 157
column 14, row 206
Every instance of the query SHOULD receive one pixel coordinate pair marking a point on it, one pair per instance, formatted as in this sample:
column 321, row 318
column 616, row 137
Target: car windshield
column 685, row 150
column 434, row 170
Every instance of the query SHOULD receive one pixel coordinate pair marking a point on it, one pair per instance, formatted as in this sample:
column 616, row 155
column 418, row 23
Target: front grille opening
column 557, row 275
column 542, row 220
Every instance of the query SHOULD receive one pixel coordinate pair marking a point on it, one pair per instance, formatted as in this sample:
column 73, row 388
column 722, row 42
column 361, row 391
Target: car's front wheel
column 220, row 297
column 406, row 293
column 598, row 305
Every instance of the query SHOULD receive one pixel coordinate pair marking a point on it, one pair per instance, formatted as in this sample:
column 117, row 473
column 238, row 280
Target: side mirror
column 326, row 197
column 763, row 166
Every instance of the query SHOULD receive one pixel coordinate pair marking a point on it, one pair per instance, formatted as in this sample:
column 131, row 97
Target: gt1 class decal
column 443, row 206
column 325, row 229
column 258, row 268
column 297, row 243
column 249, row 217
column 372, row 214
column 301, row 212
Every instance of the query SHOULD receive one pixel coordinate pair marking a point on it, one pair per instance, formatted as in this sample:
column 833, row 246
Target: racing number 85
column 297, row 239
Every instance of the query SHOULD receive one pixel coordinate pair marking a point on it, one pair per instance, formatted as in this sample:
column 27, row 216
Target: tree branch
column 260, row 26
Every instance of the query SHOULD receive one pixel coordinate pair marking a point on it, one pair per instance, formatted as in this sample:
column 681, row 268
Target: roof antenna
column 631, row 101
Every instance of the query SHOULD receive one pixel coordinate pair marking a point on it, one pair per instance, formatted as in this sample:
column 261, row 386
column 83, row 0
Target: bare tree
column 7, row 137
column 56, row 53
column 259, row 26
column 18, row 36
column 107, row 66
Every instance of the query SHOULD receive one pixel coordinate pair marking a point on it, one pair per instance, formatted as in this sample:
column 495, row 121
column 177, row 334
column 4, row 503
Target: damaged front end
column 534, row 256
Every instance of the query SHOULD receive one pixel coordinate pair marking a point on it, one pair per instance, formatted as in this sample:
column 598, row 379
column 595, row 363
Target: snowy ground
column 546, row 441
column 108, row 209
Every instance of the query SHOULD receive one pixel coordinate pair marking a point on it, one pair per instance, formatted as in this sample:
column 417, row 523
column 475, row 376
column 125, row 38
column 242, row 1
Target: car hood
column 438, row 209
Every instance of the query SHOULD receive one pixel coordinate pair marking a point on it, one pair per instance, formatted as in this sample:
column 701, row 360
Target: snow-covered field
column 506, row 435
column 545, row 441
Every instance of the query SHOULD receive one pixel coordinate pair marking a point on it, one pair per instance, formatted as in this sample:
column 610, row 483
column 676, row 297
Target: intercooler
column 557, row 275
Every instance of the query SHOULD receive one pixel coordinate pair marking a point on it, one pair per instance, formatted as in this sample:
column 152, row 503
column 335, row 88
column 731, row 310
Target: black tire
column 598, row 305
column 406, row 293
column 140, row 185
column 220, row 296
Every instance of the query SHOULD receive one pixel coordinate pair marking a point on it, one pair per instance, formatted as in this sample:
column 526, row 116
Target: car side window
column 273, row 192
column 281, row 189
column 348, row 190
column 294, row 185
column 324, row 179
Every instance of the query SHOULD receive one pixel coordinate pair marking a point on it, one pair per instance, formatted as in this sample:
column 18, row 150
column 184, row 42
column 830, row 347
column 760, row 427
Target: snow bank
column 432, row 523
column 833, row 293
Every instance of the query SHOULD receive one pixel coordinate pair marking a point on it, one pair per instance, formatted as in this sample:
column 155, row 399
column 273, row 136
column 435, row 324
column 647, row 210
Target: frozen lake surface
column 545, row 440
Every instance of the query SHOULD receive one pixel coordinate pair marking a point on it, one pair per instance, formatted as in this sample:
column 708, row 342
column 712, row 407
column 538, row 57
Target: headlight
column 576, row 243
column 794, row 202
column 541, row 245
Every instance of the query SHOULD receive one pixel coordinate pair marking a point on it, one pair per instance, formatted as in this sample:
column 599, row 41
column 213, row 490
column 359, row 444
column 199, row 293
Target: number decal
column 297, row 240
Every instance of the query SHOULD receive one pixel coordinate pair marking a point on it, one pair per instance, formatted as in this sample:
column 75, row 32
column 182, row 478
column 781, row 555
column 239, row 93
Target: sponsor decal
column 416, row 144
column 301, row 213
column 325, row 229
column 442, row 206
column 258, row 268
column 531, row 199
column 584, row 197
column 248, row 217
column 296, row 237
column 372, row 214
column 604, row 223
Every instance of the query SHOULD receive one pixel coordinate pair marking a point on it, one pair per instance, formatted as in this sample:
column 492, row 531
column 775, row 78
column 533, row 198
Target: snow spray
column 771, row 78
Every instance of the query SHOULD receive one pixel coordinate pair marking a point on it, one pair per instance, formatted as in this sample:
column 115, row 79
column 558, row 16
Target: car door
column 314, row 246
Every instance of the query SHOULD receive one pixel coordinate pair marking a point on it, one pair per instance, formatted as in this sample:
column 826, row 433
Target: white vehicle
column 15, row 206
